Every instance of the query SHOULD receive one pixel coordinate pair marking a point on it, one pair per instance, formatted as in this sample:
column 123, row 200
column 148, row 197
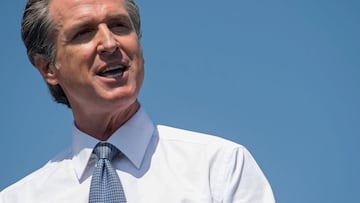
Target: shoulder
column 172, row 134
column 28, row 184
column 196, row 144
column 223, row 162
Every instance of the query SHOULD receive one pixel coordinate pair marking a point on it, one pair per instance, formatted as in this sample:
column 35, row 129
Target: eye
column 119, row 27
column 83, row 34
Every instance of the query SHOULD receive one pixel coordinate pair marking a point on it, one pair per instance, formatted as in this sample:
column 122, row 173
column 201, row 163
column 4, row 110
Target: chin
column 123, row 99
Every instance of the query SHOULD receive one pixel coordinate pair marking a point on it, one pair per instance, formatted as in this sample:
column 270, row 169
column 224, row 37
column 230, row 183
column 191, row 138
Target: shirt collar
column 135, row 132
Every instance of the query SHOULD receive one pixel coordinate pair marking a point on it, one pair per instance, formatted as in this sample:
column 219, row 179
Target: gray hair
column 38, row 34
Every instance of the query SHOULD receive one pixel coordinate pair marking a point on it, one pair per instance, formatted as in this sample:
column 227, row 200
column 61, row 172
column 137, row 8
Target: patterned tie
column 105, row 183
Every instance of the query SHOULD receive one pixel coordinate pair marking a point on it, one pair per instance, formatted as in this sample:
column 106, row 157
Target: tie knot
column 105, row 150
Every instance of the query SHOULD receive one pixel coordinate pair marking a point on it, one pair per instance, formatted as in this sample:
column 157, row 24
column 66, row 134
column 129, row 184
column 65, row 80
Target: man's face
column 99, row 61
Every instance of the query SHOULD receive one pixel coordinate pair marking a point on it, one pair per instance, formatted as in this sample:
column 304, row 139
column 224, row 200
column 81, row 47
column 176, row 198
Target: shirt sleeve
column 245, row 182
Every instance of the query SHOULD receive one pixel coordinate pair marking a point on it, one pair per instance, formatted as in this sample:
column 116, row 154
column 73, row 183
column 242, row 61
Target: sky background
column 281, row 77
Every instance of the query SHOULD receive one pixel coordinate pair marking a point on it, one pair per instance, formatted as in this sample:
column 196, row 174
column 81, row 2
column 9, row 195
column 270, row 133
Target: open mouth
column 113, row 71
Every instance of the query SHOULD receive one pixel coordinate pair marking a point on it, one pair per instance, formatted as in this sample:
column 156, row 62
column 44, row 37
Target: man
column 89, row 53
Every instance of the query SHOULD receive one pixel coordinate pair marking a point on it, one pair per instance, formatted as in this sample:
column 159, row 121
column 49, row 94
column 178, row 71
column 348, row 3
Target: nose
column 107, row 41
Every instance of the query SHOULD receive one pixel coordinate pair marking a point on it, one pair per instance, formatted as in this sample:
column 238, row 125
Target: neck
column 101, row 125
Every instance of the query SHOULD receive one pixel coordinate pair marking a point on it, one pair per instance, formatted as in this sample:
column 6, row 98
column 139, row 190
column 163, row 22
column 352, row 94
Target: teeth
column 113, row 71
column 116, row 75
column 113, row 68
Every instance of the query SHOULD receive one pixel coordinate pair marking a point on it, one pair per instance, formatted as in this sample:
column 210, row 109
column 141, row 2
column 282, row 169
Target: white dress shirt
column 161, row 165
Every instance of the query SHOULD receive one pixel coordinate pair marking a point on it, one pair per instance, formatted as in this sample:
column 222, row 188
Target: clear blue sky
column 280, row 77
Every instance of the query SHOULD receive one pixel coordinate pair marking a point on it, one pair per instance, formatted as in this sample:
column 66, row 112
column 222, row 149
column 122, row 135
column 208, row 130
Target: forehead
column 63, row 11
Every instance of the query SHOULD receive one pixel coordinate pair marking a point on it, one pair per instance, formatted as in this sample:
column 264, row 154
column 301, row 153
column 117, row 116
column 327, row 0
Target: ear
column 46, row 69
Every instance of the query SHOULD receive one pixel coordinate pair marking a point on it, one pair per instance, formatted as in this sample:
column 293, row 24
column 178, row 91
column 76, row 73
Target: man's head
column 41, row 29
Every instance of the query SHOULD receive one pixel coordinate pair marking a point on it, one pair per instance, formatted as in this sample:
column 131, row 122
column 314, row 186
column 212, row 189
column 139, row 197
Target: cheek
column 74, row 70
column 138, row 54
column 75, row 59
column 140, row 68
column 132, row 47
column 135, row 53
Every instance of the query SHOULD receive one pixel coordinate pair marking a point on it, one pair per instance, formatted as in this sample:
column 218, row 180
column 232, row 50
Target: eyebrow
column 86, row 21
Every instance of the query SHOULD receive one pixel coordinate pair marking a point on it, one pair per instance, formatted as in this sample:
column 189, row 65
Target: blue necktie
column 105, row 183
